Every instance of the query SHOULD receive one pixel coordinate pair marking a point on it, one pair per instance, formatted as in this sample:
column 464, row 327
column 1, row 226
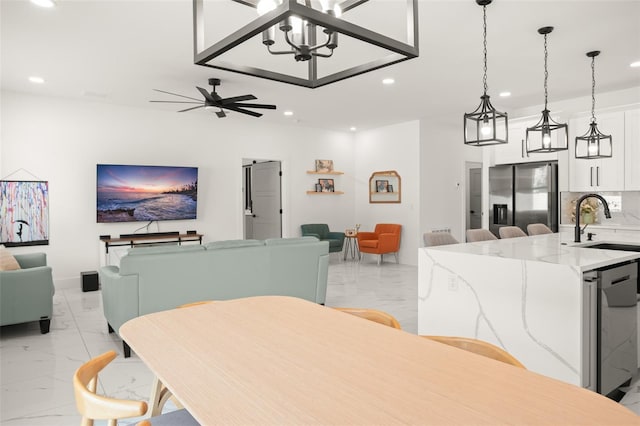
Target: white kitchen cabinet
column 515, row 151
column 632, row 150
column 603, row 174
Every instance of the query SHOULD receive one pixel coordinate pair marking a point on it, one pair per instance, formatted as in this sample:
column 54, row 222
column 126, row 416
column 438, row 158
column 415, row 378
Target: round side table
column 351, row 246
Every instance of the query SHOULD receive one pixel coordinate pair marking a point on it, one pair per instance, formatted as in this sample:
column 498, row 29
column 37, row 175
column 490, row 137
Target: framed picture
column 382, row 186
column 25, row 217
column 318, row 187
column 389, row 188
column 326, row 185
column 324, row 166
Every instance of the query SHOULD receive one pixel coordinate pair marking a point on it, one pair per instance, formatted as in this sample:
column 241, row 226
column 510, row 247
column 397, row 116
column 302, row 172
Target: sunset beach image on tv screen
column 146, row 193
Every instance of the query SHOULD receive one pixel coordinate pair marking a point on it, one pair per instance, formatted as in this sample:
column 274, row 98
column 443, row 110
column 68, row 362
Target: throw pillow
column 7, row 261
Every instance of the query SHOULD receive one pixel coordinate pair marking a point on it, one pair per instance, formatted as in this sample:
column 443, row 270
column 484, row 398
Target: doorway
column 262, row 189
column 474, row 196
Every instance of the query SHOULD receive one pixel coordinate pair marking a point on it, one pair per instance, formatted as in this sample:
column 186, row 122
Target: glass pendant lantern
column 485, row 125
column 547, row 135
column 594, row 143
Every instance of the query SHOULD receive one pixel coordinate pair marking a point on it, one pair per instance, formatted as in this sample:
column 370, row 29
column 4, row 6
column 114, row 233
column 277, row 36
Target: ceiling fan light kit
column 593, row 144
column 486, row 125
column 547, row 135
column 311, row 30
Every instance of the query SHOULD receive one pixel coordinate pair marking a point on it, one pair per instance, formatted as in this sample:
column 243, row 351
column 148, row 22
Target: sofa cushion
column 368, row 243
column 164, row 249
column 233, row 244
column 7, row 261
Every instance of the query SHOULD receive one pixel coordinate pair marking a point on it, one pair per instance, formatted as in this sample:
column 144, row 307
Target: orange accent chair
column 384, row 239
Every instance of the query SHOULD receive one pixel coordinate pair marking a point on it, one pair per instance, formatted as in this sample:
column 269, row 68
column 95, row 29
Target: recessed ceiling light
column 353, row 128
column 288, row 113
column 635, row 64
column 36, row 79
column 388, row 81
column 44, row 3
column 505, row 94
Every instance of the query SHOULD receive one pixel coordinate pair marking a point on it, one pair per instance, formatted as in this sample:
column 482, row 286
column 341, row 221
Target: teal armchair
column 321, row 232
column 26, row 294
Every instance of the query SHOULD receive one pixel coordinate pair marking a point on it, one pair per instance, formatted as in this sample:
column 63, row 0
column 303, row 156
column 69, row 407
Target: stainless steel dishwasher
column 617, row 323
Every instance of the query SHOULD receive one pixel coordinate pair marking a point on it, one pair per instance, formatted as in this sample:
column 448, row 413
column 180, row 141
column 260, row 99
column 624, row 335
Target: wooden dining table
column 275, row 360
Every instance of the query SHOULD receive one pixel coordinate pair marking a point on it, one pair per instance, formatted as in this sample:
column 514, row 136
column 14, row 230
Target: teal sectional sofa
column 26, row 294
column 152, row 279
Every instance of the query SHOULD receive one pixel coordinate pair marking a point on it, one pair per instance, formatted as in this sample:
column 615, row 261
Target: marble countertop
column 557, row 248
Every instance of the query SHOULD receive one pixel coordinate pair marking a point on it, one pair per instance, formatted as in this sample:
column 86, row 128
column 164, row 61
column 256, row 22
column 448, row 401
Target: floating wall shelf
column 325, row 193
column 311, row 172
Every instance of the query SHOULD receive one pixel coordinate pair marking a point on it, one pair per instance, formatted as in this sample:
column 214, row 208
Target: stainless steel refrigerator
column 521, row 194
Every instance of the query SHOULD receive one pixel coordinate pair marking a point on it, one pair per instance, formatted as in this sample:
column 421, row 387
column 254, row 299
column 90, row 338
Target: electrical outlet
column 453, row 283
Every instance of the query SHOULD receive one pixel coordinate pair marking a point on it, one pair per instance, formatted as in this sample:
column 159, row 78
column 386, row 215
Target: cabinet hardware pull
column 597, row 175
column 591, row 176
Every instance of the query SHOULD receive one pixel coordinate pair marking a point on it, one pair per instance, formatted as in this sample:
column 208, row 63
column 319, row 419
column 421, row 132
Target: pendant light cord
column 593, row 89
column 546, row 73
column 484, row 28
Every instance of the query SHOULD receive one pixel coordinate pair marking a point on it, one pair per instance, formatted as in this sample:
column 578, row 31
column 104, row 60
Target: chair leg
column 45, row 325
column 126, row 349
column 109, row 328
column 396, row 255
column 380, row 260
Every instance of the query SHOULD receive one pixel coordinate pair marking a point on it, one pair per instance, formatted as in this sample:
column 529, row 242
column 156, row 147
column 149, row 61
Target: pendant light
column 547, row 135
column 594, row 143
column 485, row 125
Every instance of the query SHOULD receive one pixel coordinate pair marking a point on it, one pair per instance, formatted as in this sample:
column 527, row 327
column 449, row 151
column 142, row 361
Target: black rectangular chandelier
column 302, row 36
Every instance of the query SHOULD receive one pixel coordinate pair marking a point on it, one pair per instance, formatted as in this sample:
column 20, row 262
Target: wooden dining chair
column 373, row 315
column 97, row 407
column 479, row 347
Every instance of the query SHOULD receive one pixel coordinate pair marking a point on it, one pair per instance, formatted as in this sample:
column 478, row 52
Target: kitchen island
column 529, row 295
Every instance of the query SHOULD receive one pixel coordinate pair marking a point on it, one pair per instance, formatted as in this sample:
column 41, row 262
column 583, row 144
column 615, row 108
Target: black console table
column 133, row 240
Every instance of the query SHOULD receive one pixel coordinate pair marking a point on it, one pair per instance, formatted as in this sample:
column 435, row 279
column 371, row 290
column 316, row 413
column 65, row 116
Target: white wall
column 396, row 148
column 443, row 155
column 61, row 141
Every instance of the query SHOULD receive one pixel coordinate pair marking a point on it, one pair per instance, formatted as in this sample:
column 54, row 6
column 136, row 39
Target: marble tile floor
column 36, row 370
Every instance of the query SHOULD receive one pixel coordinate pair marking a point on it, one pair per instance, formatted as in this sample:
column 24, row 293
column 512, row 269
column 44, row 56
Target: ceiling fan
column 213, row 100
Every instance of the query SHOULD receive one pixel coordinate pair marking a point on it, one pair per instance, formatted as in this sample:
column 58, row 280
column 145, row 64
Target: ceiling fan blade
column 206, row 94
column 244, row 111
column 258, row 106
column 178, row 102
column 189, row 109
column 221, row 114
column 175, row 94
column 237, row 99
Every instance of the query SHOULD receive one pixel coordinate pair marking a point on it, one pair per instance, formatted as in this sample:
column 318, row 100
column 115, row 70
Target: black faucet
column 607, row 213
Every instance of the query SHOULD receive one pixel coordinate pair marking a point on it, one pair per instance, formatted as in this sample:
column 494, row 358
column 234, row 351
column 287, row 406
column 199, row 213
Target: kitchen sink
column 614, row 246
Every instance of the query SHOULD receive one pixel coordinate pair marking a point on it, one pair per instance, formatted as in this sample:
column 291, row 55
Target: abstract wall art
column 24, row 213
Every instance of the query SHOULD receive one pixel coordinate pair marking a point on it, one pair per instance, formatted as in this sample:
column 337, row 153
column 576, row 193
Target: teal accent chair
column 321, row 232
column 27, row 294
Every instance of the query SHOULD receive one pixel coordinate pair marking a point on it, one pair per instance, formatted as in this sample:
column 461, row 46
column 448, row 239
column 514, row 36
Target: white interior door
column 266, row 200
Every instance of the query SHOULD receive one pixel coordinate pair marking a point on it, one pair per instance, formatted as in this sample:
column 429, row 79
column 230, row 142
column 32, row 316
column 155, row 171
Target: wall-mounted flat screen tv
column 146, row 193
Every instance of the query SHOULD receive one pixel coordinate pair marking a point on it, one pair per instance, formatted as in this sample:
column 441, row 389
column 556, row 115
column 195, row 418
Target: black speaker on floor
column 89, row 281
